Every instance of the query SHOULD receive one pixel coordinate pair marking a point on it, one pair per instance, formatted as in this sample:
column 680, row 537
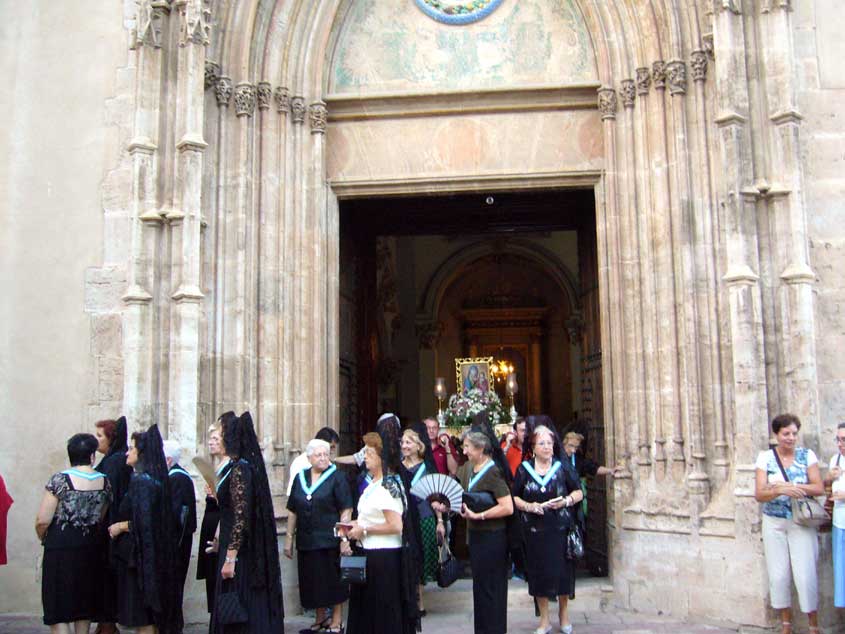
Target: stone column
column 535, row 404
column 145, row 218
column 186, row 222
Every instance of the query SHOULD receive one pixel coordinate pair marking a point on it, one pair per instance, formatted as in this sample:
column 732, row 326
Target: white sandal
column 566, row 629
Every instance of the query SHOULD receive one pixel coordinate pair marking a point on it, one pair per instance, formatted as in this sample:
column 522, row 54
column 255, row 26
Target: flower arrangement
column 463, row 407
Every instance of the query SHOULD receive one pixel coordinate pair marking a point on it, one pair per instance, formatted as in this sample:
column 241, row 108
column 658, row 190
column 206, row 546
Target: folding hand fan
column 441, row 486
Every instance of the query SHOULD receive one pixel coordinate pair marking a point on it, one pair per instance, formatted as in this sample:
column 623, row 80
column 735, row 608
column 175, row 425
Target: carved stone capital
column 676, row 76
column 428, row 334
column 265, row 95
column 195, row 22
column 658, row 72
column 628, row 91
column 643, row 80
column 698, row 65
column 212, row 74
column 297, row 109
column 223, row 90
column 607, row 103
column 768, row 6
column 317, row 117
column 282, row 97
column 244, row 100
column 149, row 22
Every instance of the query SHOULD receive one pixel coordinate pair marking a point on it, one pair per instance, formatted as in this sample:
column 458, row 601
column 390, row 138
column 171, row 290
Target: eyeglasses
column 840, row 439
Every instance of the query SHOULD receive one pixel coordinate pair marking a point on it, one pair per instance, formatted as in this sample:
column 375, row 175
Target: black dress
column 73, row 541
column 207, row 562
column 184, row 504
column 550, row 573
column 318, row 555
column 114, row 467
column 239, row 526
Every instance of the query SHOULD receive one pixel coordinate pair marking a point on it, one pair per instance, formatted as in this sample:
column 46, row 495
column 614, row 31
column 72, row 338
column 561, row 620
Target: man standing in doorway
column 444, row 453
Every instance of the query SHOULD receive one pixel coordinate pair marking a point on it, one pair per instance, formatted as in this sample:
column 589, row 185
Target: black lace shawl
column 114, row 467
column 249, row 477
column 154, row 532
column 388, row 429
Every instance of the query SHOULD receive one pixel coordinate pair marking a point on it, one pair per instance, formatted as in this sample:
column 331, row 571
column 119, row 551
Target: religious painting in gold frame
column 473, row 373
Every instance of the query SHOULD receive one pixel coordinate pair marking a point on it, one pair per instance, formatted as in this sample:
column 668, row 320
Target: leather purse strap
column 780, row 464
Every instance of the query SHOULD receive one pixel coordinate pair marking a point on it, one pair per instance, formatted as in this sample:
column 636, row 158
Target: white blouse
column 371, row 506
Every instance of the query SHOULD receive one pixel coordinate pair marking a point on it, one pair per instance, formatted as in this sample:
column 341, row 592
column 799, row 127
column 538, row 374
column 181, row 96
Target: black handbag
column 479, row 502
column 353, row 569
column 228, row 609
column 574, row 542
column 448, row 567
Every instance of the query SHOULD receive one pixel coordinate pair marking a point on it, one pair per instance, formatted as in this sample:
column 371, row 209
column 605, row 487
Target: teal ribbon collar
column 85, row 476
column 175, row 470
column 309, row 490
column 543, row 481
column 479, row 475
column 420, row 473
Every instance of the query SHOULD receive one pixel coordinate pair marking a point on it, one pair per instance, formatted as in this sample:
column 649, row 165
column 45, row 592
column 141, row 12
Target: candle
column 440, row 387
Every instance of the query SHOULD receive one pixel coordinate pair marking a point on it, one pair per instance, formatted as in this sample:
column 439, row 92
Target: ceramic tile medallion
column 458, row 11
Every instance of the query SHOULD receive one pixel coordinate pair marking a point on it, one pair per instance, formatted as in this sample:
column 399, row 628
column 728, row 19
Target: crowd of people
column 118, row 535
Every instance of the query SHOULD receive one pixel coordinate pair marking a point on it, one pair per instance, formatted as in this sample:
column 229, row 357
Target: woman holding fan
column 544, row 490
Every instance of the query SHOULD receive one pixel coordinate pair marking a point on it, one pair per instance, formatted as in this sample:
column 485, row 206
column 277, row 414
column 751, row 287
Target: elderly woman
column 112, row 443
column 207, row 562
column 785, row 473
column 68, row 524
column 545, row 491
column 836, row 477
column 380, row 606
column 145, row 542
column 248, row 560
column 487, row 534
column 417, row 462
column 319, row 498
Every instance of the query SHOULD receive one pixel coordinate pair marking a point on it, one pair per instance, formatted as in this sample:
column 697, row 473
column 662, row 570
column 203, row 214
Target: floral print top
column 781, row 506
column 81, row 510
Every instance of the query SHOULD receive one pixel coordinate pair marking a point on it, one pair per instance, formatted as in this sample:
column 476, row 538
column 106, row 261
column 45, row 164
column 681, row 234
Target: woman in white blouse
column 376, row 607
column 836, row 476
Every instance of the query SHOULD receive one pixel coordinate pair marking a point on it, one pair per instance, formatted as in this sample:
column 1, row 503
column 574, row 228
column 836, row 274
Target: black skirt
column 488, row 556
column 319, row 578
column 376, row 606
column 131, row 611
column 69, row 592
column 550, row 573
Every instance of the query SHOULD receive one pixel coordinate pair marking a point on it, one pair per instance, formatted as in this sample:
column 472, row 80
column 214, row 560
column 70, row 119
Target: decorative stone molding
column 212, row 74
column 628, row 92
column 676, row 76
column 265, row 95
column 643, row 80
column 658, row 72
column 768, row 6
column 223, row 90
column 574, row 327
column 297, row 108
column 282, row 97
column 698, row 65
column 148, row 23
column 727, row 5
column 429, row 333
column 709, row 46
column 607, row 103
column 317, row 116
column 244, row 100
column 195, row 22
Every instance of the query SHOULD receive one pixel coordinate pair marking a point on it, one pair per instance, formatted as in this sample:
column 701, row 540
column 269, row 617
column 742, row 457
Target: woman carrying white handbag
column 786, row 473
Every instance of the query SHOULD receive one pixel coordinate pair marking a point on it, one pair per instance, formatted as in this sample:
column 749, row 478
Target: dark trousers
column 488, row 556
column 183, row 562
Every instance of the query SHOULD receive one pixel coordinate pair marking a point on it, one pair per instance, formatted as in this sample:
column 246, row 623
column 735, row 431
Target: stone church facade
column 174, row 176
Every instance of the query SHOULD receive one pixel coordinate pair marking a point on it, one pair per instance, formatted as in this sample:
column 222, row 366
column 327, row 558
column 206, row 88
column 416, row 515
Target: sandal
column 317, row 626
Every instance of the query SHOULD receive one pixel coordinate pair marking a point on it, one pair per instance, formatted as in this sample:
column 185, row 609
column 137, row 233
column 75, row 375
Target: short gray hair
column 172, row 450
column 479, row 440
column 315, row 444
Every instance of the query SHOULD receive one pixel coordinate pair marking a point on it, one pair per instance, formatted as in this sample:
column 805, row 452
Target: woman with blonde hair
column 207, row 562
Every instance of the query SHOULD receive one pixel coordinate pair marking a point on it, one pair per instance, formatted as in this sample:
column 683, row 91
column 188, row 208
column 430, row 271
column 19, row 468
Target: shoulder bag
column 353, row 569
column 228, row 609
column 448, row 567
column 805, row 511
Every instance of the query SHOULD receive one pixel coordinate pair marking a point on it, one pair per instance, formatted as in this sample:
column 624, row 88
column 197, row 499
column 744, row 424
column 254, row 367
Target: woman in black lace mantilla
column 145, row 542
column 248, row 549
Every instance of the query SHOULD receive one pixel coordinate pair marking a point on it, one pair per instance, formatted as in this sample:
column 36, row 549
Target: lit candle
column 440, row 387
column 512, row 386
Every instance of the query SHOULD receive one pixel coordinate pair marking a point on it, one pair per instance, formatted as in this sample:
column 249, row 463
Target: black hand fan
column 439, row 485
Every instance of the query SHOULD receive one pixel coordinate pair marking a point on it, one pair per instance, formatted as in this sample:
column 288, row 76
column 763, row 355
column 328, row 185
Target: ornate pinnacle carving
column 607, row 103
column 265, row 95
column 282, row 97
column 297, row 108
column 629, row 93
column 708, row 44
column 658, row 72
column 223, row 90
column 148, row 22
column 643, row 80
column 195, row 22
column 212, row 74
column 429, row 333
column 698, row 65
column 244, row 100
column 676, row 75
column 317, row 116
